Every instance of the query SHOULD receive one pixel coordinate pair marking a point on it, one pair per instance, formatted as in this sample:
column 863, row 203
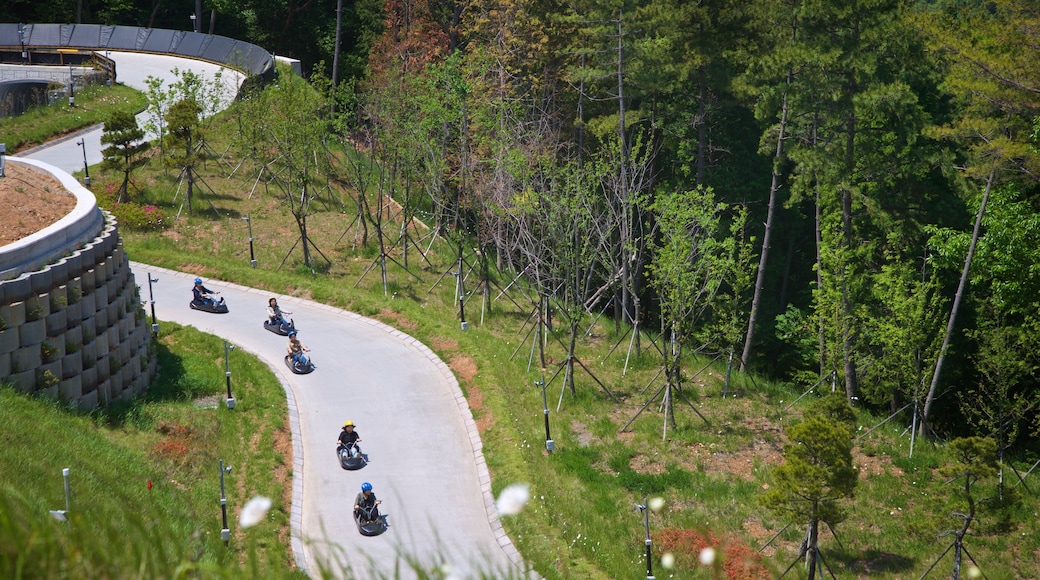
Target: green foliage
column 817, row 474
column 47, row 352
column 695, row 264
column 125, row 147
column 46, row 380
column 33, row 309
column 132, row 215
column 836, row 407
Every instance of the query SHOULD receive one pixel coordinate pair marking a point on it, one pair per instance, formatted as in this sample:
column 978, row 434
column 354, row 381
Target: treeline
column 832, row 191
column 838, row 192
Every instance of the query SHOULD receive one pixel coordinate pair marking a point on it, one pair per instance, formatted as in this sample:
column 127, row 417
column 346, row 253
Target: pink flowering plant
column 132, row 215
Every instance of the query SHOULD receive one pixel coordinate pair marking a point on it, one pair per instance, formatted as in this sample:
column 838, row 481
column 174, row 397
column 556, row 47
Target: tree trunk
column 814, row 548
column 301, row 221
column 763, row 259
column 819, row 281
column 961, row 286
column 335, row 56
column 848, row 324
column 571, row 347
column 702, row 125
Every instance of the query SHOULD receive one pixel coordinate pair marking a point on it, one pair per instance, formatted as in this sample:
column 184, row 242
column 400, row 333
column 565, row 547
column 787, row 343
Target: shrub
column 736, row 560
column 75, row 293
column 132, row 215
column 33, row 310
column 47, row 352
column 46, row 380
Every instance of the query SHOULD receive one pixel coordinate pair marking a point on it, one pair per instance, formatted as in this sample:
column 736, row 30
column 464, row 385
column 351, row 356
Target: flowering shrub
column 176, row 445
column 131, row 215
column 738, row 561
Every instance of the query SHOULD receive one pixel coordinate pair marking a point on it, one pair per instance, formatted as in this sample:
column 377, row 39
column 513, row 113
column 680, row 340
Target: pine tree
column 125, row 147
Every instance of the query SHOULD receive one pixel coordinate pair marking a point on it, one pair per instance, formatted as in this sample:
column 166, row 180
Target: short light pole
column 194, row 23
column 460, row 288
column 227, row 373
column 151, row 300
column 549, row 444
column 644, row 508
column 63, row 515
column 252, row 256
column 21, row 40
column 86, row 170
column 72, row 88
column 225, row 532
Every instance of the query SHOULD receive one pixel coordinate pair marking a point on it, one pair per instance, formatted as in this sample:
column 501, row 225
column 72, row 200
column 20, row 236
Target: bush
column 131, row 215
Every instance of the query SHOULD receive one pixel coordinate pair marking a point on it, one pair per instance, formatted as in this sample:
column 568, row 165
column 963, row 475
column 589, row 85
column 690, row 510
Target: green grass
column 174, row 438
column 94, row 104
column 581, row 522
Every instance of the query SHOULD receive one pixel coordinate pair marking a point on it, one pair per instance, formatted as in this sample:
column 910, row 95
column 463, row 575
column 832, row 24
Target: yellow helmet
column 348, row 424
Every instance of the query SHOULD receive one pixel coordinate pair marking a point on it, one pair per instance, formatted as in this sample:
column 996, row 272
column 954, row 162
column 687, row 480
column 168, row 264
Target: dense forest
column 829, row 190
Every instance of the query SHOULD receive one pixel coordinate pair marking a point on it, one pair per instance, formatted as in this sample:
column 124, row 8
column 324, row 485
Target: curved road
column 133, row 69
column 425, row 454
column 426, row 461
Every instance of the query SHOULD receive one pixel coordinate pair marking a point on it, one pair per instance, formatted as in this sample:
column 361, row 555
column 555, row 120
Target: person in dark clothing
column 204, row 295
column 349, row 439
column 366, row 503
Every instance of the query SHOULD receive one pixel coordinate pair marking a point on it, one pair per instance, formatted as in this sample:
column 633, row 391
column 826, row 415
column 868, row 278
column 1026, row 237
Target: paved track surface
column 425, row 454
column 132, row 70
column 426, row 461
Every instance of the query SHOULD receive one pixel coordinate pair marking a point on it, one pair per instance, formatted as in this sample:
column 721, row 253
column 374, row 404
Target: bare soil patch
column 32, row 200
column 397, row 320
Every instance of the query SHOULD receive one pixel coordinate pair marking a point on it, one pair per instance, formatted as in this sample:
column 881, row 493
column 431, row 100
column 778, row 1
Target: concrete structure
column 71, row 322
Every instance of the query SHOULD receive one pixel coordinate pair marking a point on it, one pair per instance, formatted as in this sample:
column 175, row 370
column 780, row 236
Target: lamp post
column 72, row 88
column 252, row 256
column 86, row 170
column 194, row 23
column 21, row 40
column 461, row 291
column 227, row 374
column 151, row 299
column 225, row 532
column 63, row 515
column 644, row 508
column 549, row 444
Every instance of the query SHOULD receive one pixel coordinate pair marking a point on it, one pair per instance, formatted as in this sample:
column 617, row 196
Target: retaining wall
column 74, row 328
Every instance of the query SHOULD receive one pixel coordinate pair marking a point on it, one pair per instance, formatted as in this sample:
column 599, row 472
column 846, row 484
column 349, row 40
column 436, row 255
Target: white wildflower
column 707, row 556
column 656, row 504
column 254, row 511
column 512, row 499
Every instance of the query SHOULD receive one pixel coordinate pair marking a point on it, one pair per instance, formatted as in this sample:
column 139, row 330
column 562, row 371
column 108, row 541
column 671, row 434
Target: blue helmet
column 292, row 333
column 198, row 280
column 366, row 486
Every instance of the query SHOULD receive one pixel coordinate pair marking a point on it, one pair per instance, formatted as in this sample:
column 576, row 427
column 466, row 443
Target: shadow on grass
column 872, row 561
column 171, row 383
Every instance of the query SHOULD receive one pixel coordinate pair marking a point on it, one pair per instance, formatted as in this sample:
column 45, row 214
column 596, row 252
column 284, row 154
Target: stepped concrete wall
column 71, row 322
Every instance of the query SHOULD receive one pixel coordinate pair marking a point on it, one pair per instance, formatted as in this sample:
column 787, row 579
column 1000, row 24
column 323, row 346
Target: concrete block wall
column 75, row 328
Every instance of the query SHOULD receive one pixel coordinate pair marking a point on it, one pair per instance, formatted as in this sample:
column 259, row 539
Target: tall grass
column 144, row 475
